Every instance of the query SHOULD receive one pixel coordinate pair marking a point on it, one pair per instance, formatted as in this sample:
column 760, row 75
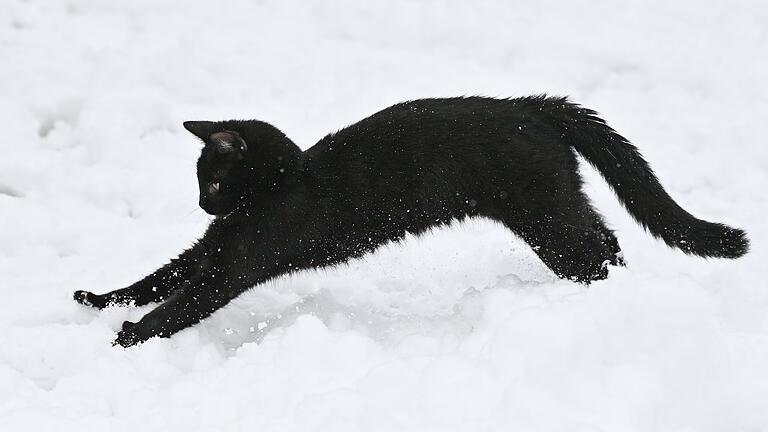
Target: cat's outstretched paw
column 88, row 298
column 127, row 325
column 127, row 337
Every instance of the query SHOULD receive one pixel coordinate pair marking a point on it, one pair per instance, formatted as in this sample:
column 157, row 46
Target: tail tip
column 733, row 243
column 710, row 240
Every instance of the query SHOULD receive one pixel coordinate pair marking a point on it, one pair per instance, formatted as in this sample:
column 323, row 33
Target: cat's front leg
column 155, row 287
column 237, row 256
column 184, row 308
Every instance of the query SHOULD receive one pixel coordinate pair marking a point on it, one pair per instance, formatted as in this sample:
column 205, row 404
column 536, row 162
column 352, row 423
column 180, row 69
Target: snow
column 459, row 330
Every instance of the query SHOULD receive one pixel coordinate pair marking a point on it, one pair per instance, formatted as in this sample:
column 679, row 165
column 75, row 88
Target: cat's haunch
column 406, row 169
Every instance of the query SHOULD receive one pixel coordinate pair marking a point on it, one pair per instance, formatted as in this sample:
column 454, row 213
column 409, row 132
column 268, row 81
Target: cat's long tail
column 630, row 176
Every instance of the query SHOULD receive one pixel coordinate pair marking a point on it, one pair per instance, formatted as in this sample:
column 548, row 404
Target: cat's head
column 243, row 161
column 222, row 168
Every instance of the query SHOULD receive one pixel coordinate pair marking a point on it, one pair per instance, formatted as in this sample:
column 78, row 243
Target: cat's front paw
column 88, row 298
column 135, row 333
column 128, row 336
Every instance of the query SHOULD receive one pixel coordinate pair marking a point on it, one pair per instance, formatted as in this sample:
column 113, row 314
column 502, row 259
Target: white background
column 459, row 330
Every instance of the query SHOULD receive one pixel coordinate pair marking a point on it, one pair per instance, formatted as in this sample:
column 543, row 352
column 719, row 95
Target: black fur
column 407, row 168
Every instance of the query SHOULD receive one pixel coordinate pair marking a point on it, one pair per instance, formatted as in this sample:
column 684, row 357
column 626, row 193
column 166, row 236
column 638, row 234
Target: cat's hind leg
column 566, row 233
column 606, row 235
column 571, row 252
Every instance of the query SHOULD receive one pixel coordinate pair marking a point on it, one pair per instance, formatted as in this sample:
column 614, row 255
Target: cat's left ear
column 228, row 142
column 201, row 129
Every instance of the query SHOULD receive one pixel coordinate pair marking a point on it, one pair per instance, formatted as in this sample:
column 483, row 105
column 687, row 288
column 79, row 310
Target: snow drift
column 462, row 329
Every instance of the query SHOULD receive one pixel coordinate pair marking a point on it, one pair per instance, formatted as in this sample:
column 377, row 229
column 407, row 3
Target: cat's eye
column 214, row 187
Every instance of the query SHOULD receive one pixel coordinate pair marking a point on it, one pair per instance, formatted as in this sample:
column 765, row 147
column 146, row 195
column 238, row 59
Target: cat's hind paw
column 88, row 298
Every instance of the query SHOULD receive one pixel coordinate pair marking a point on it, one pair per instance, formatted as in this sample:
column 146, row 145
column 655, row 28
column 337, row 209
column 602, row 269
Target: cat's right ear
column 201, row 129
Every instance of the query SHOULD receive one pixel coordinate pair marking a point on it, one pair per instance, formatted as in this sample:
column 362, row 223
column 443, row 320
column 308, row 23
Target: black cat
column 407, row 168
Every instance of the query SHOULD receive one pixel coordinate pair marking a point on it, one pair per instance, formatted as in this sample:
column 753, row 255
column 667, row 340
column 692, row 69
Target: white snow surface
column 462, row 329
